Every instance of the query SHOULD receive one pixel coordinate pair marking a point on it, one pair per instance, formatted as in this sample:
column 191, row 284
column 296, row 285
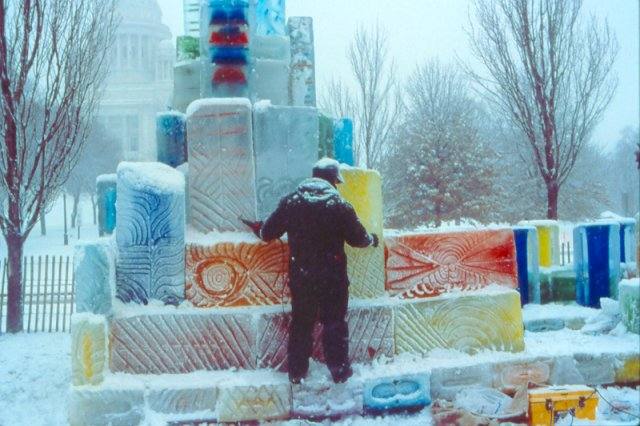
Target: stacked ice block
column 526, row 240
column 106, row 189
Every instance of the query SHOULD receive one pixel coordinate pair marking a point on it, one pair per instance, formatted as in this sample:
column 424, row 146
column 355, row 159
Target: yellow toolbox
column 547, row 405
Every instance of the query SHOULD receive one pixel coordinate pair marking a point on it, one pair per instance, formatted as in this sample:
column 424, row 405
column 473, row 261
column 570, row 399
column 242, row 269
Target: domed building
column 140, row 80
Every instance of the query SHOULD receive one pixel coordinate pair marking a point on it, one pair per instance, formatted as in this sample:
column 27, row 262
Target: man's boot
column 341, row 374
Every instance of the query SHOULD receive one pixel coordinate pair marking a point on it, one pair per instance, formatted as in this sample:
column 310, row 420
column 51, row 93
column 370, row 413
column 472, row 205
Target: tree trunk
column 14, row 295
column 553, row 191
column 43, row 223
column 74, row 212
column 94, row 206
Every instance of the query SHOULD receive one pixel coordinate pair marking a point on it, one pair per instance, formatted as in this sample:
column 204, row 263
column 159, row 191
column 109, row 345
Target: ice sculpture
column 425, row 265
column 259, row 401
column 225, row 39
column 526, row 240
column 325, row 136
column 106, row 189
column 88, row 348
column 270, row 80
column 270, row 18
column 406, row 392
column 221, row 164
column 548, row 241
column 343, row 140
column 94, row 271
column 286, row 147
column 186, row 83
column 150, row 233
column 302, row 80
column 596, row 258
column 628, row 243
column 171, row 138
column 629, row 295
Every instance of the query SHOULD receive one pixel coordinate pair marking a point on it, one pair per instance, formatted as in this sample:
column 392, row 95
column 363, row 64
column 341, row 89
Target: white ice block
column 106, row 406
column 95, row 276
column 302, row 83
column 221, row 164
column 186, row 83
column 269, row 80
column 271, row 47
column 286, row 144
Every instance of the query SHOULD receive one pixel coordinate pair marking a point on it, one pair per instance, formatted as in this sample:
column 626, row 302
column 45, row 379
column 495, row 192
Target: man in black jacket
column 318, row 222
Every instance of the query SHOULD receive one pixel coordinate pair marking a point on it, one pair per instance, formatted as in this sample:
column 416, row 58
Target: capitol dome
column 139, row 11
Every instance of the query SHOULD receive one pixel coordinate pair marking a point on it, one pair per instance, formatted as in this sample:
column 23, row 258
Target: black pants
column 327, row 301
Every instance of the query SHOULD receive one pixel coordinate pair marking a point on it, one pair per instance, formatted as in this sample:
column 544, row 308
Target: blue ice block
column 410, row 392
column 171, row 138
column 270, row 18
column 343, row 140
column 106, row 190
column 596, row 251
column 628, row 244
column 526, row 240
column 94, row 275
column 150, row 233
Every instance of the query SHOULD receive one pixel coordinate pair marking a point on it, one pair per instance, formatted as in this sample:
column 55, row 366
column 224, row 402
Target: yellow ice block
column 363, row 189
column 469, row 322
column 629, row 372
column 548, row 241
column 88, row 348
column 259, row 402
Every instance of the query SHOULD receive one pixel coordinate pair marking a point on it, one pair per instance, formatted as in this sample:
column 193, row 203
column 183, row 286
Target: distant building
column 140, row 81
column 192, row 17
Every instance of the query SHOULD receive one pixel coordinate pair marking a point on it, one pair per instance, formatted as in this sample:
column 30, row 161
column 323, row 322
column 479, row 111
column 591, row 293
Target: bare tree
column 374, row 104
column 549, row 74
column 52, row 65
column 443, row 162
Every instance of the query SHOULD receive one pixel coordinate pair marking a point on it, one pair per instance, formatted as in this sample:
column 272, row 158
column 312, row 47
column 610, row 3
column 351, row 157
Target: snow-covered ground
column 53, row 243
column 35, row 378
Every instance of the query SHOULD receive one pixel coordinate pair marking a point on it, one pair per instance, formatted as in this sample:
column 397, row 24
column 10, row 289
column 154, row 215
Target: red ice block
column 229, row 75
column 426, row 265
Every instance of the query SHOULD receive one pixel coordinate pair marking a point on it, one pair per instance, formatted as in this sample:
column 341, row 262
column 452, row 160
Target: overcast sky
column 423, row 29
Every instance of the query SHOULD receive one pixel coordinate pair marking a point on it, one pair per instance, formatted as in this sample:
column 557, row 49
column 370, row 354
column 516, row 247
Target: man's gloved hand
column 255, row 226
column 376, row 240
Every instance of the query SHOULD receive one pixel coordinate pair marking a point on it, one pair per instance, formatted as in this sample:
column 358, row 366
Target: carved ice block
column 363, row 189
column 95, row 276
column 221, row 164
column 325, row 136
column 254, row 402
column 526, row 241
column 596, row 260
column 427, row 265
column 269, row 80
column 88, row 348
column 270, row 18
column 150, row 233
column 186, row 83
column 182, row 343
column 343, row 140
column 548, row 241
column 313, row 399
column 302, row 80
column 286, row 143
column 113, row 406
column 171, row 138
column 181, row 399
column 370, row 336
column 446, row 383
column 466, row 321
column 406, row 392
column 106, row 189
column 628, row 243
column 629, row 296
column 237, row 274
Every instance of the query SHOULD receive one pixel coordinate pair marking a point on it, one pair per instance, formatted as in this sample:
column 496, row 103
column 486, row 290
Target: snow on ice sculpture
column 237, row 274
column 186, row 83
column 323, row 399
column 526, row 241
column 88, row 348
column 94, row 275
column 387, row 394
column 629, row 296
column 363, row 189
column 221, row 164
column 176, row 340
column 343, row 140
column 224, row 32
column 302, row 78
column 106, row 189
column 264, row 401
column 171, row 138
column 596, row 259
column 426, row 265
column 548, row 241
column 270, row 18
column 370, row 331
column 325, row 137
column 150, row 233
column 469, row 322
column 286, row 146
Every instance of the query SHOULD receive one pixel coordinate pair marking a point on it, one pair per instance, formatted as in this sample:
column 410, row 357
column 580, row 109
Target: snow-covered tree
column 53, row 60
column 623, row 175
column 440, row 167
column 547, row 73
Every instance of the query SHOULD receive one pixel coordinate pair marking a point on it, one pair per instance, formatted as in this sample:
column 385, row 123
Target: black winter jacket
column 318, row 221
